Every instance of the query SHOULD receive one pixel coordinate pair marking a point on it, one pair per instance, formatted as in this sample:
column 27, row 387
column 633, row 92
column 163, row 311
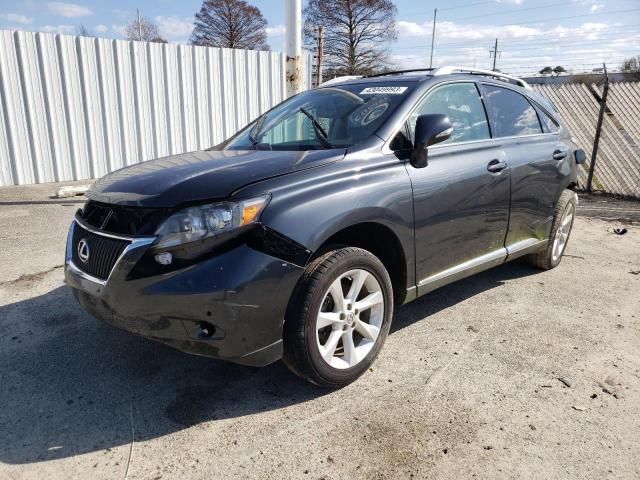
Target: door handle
column 496, row 165
column 559, row 154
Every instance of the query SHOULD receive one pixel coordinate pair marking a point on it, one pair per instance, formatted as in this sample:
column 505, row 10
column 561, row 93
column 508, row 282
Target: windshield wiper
column 322, row 135
column 254, row 134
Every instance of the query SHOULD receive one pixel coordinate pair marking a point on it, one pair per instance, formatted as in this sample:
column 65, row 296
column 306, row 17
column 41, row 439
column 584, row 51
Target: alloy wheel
column 562, row 233
column 350, row 318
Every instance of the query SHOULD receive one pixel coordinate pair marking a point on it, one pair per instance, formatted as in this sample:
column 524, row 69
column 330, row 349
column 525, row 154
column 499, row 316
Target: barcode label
column 383, row 90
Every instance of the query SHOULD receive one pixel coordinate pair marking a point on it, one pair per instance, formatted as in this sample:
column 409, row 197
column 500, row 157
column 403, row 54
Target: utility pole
column 293, row 18
column 139, row 25
column 433, row 36
column 320, row 54
column 495, row 52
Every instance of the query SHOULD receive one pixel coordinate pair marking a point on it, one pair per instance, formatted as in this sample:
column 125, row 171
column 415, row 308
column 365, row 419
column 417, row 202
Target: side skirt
column 463, row 270
column 476, row 265
column 523, row 247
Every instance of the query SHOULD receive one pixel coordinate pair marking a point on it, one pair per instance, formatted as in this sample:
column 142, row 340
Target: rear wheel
column 565, row 213
column 338, row 318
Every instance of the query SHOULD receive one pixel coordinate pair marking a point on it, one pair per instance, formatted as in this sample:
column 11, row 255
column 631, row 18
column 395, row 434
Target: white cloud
column 514, row 2
column 451, row 30
column 446, row 31
column 69, row 10
column 523, row 51
column 101, row 28
column 596, row 8
column 16, row 18
column 413, row 29
column 123, row 14
column 68, row 29
column 276, row 31
column 174, row 27
column 120, row 30
column 586, row 31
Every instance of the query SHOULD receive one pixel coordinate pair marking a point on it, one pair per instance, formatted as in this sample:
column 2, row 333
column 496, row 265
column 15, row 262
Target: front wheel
column 564, row 215
column 338, row 318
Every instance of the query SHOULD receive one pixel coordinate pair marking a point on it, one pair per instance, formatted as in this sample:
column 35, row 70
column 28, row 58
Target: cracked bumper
column 242, row 293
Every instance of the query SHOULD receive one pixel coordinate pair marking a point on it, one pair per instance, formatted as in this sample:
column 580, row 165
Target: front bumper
column 240, row 297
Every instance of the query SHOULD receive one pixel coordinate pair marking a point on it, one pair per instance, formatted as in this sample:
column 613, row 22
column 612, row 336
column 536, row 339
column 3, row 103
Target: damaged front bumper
column 229, row 306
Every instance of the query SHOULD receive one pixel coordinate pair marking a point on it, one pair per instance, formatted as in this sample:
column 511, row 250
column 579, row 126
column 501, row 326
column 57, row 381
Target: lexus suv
column 295, row 238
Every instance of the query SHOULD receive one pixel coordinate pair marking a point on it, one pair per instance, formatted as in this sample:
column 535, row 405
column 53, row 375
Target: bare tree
column 631, row 66
column 144, row 31
column 356, row 33
column 83, row 31
column 230, row 24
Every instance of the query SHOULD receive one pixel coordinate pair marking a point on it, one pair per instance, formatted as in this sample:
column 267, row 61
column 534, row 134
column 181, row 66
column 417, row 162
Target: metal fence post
column 596, row 141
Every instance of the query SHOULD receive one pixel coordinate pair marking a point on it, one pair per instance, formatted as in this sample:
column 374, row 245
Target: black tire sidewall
column 324, row 371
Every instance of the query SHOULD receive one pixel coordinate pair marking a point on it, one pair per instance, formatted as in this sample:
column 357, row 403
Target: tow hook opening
column 206, row 330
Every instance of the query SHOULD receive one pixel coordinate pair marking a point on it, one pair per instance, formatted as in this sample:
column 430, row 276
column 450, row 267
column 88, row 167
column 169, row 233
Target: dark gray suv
column 295, row 238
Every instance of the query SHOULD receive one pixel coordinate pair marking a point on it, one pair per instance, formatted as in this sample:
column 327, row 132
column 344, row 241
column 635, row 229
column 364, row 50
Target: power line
column 486, row 2
column 525, row 39
column 507, row 12
column 571, row 46
column 495, row 52
column 525, row 67
column 455, row 7
column 536, row 37
column 569, row 17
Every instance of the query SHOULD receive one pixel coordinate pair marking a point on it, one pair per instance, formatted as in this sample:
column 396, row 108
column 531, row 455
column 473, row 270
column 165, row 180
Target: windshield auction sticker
column 383, row 90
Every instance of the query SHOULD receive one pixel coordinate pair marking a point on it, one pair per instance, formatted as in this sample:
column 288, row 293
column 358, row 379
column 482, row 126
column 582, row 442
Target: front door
column 461, row 198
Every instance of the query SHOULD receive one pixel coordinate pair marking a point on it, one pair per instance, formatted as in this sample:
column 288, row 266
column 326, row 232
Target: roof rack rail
column 478, row 71
column 336, row 80
column 395, row 72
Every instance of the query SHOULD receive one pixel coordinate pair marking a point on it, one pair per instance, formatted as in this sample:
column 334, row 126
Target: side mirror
column 580, row 156
column 430, row 129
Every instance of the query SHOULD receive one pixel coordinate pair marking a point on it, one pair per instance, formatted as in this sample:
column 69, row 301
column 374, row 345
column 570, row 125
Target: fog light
column 164, row 258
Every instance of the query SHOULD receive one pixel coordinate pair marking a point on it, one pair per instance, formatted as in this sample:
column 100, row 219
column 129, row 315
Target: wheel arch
column 382, row 242
column 568, row 184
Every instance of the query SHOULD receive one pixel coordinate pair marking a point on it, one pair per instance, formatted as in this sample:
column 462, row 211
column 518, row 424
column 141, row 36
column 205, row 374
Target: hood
column 200, row 176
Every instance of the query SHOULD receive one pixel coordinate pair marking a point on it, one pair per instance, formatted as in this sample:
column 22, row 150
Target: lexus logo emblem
column 83, row 250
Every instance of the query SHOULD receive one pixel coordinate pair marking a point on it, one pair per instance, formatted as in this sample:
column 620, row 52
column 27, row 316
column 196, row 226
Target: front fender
column 311, row 206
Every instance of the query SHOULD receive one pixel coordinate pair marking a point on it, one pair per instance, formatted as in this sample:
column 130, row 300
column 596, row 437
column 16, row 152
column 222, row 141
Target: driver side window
column 462, row 104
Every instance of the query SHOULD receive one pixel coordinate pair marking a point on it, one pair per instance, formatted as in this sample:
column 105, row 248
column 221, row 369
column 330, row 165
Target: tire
column 564, row 214
column 316, row 321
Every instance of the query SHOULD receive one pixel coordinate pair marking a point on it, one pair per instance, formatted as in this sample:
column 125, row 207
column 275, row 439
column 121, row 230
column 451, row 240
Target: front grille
column 103, row 252
column 120, row 220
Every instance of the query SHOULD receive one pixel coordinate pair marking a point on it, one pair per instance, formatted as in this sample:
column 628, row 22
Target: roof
column 418, row 75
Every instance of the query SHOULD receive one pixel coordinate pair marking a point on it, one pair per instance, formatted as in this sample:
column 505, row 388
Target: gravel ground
column 467, row 386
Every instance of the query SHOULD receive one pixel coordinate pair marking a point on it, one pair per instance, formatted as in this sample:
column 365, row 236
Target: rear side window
column 549, row 125
column 510, row 113
column 462, row 104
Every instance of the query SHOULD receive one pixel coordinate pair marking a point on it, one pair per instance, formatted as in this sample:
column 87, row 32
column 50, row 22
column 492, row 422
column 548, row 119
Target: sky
column 532, row 34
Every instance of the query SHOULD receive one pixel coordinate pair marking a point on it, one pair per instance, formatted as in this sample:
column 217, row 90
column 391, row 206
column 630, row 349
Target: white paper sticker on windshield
column 383, row 90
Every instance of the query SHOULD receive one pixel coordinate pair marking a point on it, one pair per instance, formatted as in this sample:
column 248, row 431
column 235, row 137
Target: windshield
column 335, row 117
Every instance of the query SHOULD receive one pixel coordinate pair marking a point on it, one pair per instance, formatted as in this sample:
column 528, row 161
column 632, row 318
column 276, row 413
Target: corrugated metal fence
column 617, row 167
column 74, row 108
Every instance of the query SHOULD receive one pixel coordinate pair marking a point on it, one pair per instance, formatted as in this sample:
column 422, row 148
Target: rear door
column 534, row 152
column 461, row 198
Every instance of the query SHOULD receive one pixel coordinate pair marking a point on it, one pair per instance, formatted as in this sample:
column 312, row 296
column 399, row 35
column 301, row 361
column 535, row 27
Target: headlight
column 205, row 221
